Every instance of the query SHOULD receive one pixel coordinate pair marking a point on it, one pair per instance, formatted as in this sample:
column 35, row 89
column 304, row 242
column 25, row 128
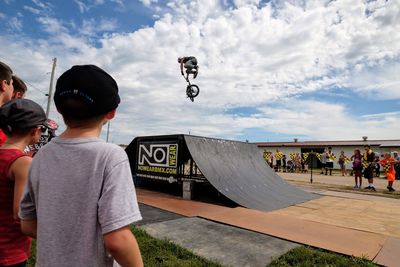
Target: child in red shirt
column 388, row 166
column 22, row 121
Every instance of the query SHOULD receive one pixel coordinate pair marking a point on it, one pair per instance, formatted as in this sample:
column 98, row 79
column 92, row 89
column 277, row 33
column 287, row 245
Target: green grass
column 306, row 257
column 156, row 252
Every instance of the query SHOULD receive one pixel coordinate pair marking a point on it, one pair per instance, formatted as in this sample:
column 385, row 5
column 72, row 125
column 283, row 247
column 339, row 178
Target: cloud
column 91, row 27
column 85, row 6
column 32, row 10
column 148, row 2
column 39, row 8
column 43, row 5
column 250, row 55
column 51, row 25
column 120, row 3
column 15, row 24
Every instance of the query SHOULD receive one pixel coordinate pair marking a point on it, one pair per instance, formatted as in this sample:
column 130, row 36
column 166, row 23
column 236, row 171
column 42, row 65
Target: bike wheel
column 192, row 90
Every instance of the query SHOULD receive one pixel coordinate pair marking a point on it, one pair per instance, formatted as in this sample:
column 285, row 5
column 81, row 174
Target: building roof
column 380, row 143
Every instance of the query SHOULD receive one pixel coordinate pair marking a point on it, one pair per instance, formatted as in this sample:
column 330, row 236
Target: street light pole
column 50, row 87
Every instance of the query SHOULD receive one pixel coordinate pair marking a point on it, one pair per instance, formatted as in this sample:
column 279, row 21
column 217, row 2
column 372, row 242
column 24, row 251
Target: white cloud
column 15, row 24
column 85, row 5
column 240, row 3
column 32, row 10
column 43, row 5
column 120, row 3
column 91, row 27
column 252, row 56
column 51, row 25
column 148, row 2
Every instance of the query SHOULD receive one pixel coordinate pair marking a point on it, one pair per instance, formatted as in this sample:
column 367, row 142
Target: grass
column 306, row 256
column 156, row 252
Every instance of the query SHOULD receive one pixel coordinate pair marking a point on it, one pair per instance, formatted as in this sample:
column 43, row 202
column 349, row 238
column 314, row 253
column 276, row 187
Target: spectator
column 388, row 165
column 368, row 166
column 6, row 90
column 82, row 214
column 323, row 159
column 304, row 166
column 21, row 120
column 284, row 163
column 342, row 163
column 330, row 157
column 377, row 165
column 6, row 86
column 297, row 162
column 19, row 88
column 397, row 165
column 357, row 168
column 278, row 158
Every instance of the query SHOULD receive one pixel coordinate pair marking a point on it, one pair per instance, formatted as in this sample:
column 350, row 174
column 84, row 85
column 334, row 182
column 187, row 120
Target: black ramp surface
column 238, row 171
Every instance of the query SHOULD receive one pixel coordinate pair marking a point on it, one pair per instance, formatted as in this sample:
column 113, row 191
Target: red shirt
column 3, row 137
column 389, row 169
column 14, row 246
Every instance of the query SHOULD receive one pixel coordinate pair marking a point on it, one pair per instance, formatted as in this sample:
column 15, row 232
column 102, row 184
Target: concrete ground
column 336, row 180
column 228, row 245
column 216, row 234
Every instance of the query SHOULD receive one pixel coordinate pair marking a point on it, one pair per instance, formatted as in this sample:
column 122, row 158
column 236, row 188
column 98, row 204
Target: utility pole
column 51, row 87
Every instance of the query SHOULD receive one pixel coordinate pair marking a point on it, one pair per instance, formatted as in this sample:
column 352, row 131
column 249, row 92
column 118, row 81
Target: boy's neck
column 16, row 143
column 82, row 132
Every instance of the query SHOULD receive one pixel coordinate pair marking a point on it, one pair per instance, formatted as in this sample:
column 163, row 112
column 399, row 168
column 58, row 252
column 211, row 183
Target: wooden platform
column 359, row 227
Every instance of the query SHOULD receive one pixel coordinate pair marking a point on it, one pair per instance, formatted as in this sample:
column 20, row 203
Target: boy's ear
column 35, row 135
column 110, row 115
column 17, row 95
column 3, row 84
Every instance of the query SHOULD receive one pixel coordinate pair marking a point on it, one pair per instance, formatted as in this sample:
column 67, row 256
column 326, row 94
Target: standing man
column 278, row 160
column 6, row 83
column 323, row 159
column 6, row 91
column 330, row 157
column 368, row 164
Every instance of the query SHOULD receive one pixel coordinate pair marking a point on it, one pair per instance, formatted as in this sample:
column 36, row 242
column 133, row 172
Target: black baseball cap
column 21, row 114
column 89, row 83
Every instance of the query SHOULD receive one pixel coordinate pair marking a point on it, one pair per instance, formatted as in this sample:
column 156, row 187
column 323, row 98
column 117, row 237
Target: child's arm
column 19, row 174
column 29, row 227
column 123, row 246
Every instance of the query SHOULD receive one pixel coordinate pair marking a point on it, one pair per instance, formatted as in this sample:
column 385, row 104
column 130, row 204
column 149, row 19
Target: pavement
column 335, row 181
column 228, row 245
column 353, row 222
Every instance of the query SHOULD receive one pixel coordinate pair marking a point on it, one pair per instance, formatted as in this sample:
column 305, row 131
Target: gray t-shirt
column 78, row 190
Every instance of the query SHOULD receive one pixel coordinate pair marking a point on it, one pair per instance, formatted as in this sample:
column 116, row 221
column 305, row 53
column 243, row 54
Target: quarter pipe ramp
column 236, row 169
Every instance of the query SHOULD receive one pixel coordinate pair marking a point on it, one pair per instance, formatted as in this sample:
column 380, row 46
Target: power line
column 34, row 87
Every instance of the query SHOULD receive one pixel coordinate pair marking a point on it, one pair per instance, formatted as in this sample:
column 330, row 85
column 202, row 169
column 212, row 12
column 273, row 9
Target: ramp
column 238, row 171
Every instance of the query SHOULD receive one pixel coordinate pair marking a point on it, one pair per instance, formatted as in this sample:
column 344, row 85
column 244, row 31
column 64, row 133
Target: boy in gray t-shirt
column 80, row 198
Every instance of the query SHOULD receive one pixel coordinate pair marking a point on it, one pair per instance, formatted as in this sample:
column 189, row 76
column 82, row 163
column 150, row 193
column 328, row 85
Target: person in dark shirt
column 369, row 165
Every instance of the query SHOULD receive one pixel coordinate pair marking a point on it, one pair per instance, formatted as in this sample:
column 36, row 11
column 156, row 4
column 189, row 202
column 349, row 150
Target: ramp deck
column 238, row 171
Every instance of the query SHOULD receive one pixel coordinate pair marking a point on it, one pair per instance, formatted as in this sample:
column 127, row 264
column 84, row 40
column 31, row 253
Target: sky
column 268, row 70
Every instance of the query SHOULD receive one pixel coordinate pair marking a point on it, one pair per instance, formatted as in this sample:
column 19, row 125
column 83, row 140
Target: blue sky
column 269, row 70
